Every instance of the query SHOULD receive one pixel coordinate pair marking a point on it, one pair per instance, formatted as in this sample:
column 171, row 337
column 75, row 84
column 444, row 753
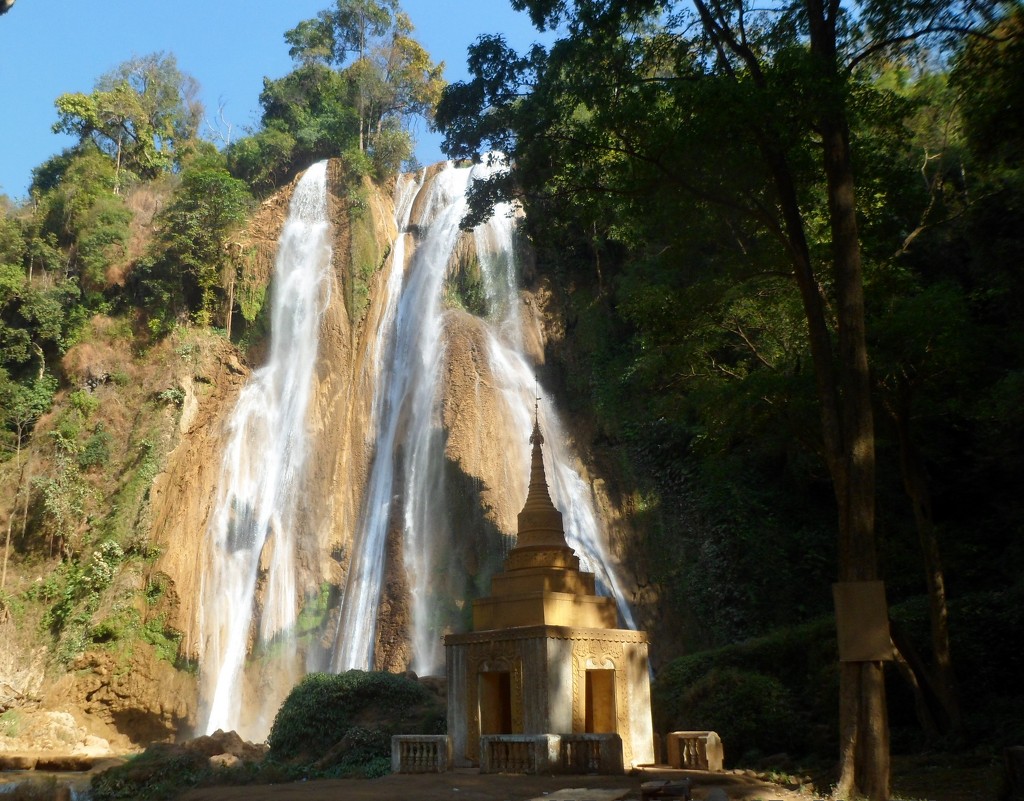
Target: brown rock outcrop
column 145, row 699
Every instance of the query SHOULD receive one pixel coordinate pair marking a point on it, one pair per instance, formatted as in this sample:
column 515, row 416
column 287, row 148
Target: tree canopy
column 749, row 159
column 144, row 114
column 360, row 83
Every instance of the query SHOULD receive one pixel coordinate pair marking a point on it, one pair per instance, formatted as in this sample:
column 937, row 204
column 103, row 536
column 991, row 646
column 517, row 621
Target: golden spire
column 540, row 523
column 537, row 497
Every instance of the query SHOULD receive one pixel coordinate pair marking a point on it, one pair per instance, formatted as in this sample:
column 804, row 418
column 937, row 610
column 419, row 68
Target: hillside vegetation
column 783, row 247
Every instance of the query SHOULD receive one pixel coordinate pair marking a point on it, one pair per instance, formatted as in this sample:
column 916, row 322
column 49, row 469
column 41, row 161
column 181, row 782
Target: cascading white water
column 569, row 492
column 405, row 388
column 409, row 443
column 517, row 379
column 257, row 513
column 259, row 523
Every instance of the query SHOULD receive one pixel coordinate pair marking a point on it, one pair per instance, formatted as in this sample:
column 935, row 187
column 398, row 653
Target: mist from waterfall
column 253, row 530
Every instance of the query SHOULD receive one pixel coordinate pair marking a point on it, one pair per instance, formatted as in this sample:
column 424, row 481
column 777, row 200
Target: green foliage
column 185, row 272
column 392, row 147
column 465, row 289
column 314, row 613
column 126, row 523
column 381, row 78
column 96, row 450
column 358, row 165
column 175, row 396
column 250, row 295
column 23, row 404
column 85, row 402
column 75, row 588
column 800, row 663
column 364, row 255
column 752, row 713
column 263, row 160
column 75, row 591
column 164, row 771
column 125, row 626
column 988, row 74
column 312, row 105
column 142, row 115
column 64, row 491
column 160, row 772
column 11, row 723
column 325, row 709
column 38, row 320
column 709, row 689
column 103, row 241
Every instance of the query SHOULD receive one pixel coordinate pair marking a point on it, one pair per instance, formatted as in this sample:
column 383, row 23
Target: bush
column 752, row 713
column 161, row 772
column 96, row 451
column 350, row 717
column 801, row 660
column 84, row 402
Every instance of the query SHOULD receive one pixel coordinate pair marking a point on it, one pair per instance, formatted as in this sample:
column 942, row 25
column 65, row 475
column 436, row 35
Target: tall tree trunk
column 863, row 722
column 842, row 377
column 915, row 483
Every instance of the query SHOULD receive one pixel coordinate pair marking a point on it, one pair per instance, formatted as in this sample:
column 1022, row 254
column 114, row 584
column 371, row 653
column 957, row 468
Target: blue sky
column 48, row 47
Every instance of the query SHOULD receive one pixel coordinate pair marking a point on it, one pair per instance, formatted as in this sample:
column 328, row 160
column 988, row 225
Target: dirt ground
column 472, row 786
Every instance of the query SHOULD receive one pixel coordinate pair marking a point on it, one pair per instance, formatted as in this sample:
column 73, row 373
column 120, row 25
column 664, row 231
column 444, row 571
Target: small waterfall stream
column 405, row 392
column 517, row 378
column 259, row 496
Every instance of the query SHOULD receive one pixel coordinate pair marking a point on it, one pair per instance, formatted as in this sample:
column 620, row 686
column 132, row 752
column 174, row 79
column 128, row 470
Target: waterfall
column 409, row 460
column 411, row 351
column 264, row 516
column 254, row 528
column 516, row 377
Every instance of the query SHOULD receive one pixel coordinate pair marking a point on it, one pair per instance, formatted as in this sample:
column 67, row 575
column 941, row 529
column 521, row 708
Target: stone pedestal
column 534, row 680
column 545, row 656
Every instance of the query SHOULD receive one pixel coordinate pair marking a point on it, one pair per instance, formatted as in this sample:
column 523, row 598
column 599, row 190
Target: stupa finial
column 537, row 496
column 541, row 537
column 536, row 438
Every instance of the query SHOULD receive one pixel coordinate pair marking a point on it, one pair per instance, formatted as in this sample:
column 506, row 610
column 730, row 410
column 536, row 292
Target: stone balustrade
column 519, row 753
column 591, row 753
column 695, row 750
column 421, row 753
column 551, row 753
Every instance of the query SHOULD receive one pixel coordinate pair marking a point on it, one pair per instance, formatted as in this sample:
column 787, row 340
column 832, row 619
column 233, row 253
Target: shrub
column 84, row 402
column 96, row 451
column 161, row 772
column 356, row 711
column 802, row 659
column 752, row 713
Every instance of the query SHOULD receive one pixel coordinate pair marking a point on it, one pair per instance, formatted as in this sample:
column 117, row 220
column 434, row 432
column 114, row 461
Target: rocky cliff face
column 479, row 489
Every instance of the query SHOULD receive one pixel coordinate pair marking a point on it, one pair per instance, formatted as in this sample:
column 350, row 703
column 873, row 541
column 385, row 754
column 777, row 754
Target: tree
column 144, row 115
column 78, row 209
column 22, row 405
column 390, row 74
column 745, row 90
column 191, row 252
column 307, row 116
